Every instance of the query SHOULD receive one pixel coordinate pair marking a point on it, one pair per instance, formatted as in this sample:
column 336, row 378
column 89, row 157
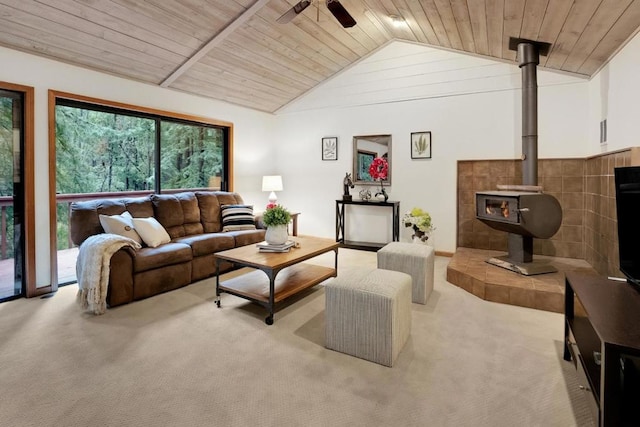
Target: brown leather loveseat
column 192, row 220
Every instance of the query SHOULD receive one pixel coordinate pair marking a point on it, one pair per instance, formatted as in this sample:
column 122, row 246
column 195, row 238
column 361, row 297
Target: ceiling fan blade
column 293, row 12
column 341, row 14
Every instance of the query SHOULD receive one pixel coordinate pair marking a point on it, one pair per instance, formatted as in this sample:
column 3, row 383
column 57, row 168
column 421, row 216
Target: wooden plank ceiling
column 235, row 51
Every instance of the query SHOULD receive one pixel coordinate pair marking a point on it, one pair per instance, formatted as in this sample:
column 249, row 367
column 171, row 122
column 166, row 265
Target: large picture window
column 105, row 149
column 101, row 149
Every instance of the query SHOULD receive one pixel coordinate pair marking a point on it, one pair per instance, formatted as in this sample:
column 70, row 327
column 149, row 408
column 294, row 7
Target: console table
column 367, row 246
column 602, row 337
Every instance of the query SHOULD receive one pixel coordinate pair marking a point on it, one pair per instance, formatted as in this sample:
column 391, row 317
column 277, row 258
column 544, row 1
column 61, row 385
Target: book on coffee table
column 267, row 247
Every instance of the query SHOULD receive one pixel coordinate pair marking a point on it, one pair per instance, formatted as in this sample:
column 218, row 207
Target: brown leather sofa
column 193, row 221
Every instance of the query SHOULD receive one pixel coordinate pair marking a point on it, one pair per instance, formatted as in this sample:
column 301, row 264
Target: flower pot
column 276, row 234
column 419, row 236
column 382, row 194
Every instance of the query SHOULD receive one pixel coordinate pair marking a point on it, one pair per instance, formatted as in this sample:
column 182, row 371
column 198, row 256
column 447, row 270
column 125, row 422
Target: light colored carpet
column 177, row 360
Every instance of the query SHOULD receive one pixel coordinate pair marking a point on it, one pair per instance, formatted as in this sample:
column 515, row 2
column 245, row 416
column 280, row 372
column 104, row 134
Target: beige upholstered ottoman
column 368, row 313
column 414, row 259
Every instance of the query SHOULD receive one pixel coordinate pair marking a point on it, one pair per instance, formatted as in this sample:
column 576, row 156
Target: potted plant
column 420, row 221
column 276, row 218
column 378, row 170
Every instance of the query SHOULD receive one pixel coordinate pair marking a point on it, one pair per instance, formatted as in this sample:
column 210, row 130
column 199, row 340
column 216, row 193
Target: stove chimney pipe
column 528, row 56
column 528, row 61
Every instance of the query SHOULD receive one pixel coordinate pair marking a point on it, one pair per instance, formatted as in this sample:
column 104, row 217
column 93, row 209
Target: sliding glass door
column 11, row 194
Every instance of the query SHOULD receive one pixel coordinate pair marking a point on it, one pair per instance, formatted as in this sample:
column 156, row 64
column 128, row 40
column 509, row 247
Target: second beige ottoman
column 414, row 259
column 368, row 313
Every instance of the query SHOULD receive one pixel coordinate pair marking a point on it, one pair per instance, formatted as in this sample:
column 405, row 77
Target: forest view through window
column 11, row 194
column 102, row 152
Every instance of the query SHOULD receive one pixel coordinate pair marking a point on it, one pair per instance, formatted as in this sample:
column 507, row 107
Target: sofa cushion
column 151, row 231
column 248, row 237
column 139, row 207
column 120, row 224
column 178, row 213
column 208, row 243
column 229, row 198
column 152, row 282
column 209, row 211
column 210, row 202
column 84, row 220
column 237, row 217
column 161, row 256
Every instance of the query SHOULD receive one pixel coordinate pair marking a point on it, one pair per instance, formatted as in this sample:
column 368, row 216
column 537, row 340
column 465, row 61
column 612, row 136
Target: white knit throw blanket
column 92, row 269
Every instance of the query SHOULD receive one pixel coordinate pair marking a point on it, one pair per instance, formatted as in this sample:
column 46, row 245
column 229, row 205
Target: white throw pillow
column 121, row 225
column 152, row 232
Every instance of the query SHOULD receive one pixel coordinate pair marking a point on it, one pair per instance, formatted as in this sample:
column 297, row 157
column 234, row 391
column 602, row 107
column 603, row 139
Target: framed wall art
column 420, row 145
column 330, row 148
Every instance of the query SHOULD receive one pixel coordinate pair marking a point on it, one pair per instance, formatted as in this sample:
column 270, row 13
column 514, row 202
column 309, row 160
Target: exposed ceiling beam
column 215, row 41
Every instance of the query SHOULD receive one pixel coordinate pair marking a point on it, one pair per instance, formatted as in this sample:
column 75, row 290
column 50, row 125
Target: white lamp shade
column 272, row 183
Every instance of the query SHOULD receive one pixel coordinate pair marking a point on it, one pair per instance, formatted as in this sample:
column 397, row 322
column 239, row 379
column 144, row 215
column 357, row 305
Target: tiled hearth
column 469, row 271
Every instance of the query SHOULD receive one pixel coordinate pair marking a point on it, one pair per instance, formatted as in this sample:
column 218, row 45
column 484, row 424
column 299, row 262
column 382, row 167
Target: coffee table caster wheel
column 218, row 302
column 269, row 320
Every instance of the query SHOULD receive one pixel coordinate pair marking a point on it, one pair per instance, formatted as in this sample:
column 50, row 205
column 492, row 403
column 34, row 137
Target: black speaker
column 630, row 380
column 627, row 184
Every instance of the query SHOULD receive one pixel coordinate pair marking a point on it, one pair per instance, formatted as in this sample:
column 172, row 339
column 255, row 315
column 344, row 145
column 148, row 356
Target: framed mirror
column 365, row 149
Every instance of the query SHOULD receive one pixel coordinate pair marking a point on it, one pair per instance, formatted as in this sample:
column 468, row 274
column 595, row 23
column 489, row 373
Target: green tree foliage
column 190, row 155
column 6, row 147
column 103, row 152
column 6, row 168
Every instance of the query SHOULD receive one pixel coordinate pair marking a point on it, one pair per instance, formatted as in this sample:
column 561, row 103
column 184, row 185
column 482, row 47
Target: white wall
column 614, row 95
column 252, row 130
column 474, row 126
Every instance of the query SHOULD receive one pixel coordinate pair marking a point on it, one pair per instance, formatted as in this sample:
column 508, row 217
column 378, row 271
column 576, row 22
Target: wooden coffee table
column 277, row 275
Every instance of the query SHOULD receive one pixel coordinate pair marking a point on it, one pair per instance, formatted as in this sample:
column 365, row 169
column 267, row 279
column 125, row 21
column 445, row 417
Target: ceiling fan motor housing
column 335, row 7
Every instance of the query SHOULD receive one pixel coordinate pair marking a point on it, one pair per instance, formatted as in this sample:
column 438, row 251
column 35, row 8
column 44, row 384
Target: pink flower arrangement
column 271, row 205
column 379, row 168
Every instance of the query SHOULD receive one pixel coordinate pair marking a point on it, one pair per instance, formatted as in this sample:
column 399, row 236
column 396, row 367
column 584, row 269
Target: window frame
column 81, row 101
column 28, row 176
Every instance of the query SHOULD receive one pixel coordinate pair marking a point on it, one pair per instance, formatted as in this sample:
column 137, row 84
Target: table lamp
column 272, row 183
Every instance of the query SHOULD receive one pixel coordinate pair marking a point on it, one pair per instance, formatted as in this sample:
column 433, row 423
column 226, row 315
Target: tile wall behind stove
column 584, row 187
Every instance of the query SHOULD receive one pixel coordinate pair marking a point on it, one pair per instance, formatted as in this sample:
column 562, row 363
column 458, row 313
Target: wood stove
column 528, row 213
column 525, row 212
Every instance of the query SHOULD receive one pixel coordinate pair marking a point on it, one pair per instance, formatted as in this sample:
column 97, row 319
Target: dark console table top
column 613, row 308
column 370, row 202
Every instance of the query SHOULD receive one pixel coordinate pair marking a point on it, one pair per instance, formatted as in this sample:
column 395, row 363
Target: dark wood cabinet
column 367, row 246
column 602, row 338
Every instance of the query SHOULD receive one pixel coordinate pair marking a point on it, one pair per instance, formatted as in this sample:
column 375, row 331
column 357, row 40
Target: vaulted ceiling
column 235, row 51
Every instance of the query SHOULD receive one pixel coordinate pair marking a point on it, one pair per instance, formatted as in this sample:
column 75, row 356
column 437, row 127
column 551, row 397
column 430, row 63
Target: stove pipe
column 528, row 61
column 529, row 52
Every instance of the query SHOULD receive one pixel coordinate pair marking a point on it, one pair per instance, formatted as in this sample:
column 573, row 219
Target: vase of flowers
column 276, row 218
column 378, row 170
column 420, row 221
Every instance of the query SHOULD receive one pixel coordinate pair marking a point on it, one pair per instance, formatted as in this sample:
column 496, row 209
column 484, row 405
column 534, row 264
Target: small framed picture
column 420, row 145
column 330, row 148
